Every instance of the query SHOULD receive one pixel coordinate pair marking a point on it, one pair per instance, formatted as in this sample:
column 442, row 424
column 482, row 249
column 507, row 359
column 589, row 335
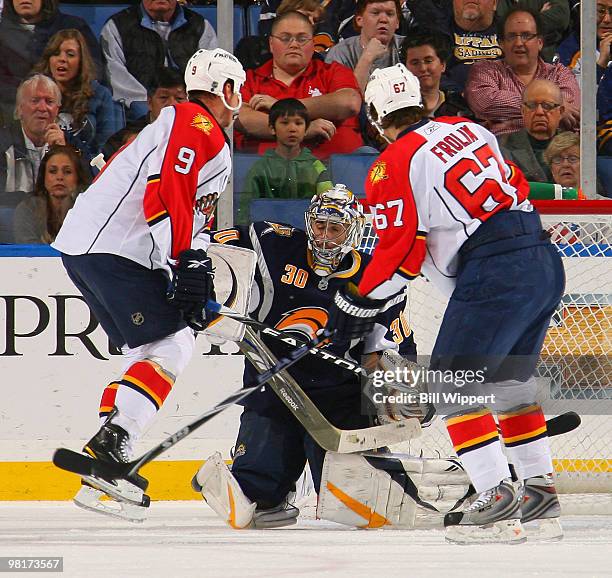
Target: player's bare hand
column 374, row 49
column 321, row 129
column 261, row 102
column 546, row 6
column 604, row 50
column 54, row 135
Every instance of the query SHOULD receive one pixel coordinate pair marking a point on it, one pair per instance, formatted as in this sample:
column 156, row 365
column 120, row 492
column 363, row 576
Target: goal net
column 576, row 363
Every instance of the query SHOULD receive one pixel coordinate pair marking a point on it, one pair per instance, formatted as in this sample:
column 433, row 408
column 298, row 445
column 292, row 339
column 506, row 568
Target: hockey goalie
column 296, row 276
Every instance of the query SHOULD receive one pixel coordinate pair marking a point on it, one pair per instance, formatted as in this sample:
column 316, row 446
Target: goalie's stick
column 289, row 339
column 328, row 436
column 84, row 465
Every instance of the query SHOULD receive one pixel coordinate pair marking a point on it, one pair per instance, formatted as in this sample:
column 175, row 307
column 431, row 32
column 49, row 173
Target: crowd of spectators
column 514, row 66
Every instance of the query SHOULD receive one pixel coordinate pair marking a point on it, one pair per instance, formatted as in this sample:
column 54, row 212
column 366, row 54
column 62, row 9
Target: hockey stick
column 555, row 426
column 84, row 465
column 289, row 339
column 328, row 436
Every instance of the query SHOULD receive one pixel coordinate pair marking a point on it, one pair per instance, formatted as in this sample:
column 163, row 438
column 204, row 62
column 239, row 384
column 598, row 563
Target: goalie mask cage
column 576, row 360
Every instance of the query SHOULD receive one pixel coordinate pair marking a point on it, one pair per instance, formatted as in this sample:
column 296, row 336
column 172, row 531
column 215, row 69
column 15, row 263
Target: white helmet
column 209, row 70
column 337, row 206
column 390, row 89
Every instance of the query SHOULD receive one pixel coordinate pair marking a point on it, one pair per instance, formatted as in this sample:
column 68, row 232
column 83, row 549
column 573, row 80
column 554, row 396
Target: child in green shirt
column 288, row 171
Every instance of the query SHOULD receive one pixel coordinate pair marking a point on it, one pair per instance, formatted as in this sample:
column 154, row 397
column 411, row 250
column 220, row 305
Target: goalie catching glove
column 192, row 286
column 351, row 315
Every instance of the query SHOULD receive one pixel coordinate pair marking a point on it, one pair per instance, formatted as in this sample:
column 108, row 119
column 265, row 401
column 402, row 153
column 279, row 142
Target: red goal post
column 577, row 354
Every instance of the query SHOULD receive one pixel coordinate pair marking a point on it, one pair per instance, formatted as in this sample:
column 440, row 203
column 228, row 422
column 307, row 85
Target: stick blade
column 83, row 465
column 562, row 424
column 378, row 436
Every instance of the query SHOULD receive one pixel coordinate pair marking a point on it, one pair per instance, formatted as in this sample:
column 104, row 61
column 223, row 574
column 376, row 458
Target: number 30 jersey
column 156, row 194
column 429, row 191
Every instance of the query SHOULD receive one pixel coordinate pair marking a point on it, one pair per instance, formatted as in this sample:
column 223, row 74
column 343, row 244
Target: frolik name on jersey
column 451, row 144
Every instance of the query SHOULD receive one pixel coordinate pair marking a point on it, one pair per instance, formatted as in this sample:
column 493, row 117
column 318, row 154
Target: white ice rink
column 185, row 539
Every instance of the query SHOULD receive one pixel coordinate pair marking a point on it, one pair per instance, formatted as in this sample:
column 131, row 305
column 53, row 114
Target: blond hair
column 559, row 143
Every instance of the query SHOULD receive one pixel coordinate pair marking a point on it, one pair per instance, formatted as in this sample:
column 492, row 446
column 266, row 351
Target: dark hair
column 83, row 176
column 165, row 78
column 362, row 5
column 439, row 42
column 287, row 107
column 48, row 8
column 403, row 117
column 501, row 23
column 291, row 14
column 83, row 180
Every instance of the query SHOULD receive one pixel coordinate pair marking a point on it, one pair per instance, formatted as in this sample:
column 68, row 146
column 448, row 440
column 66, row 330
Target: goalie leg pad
column 390, row 490
column 223, row 493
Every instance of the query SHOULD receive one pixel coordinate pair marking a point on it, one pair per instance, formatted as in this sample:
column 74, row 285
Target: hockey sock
column 475, row 439
column 138, row 395
column 526, row 440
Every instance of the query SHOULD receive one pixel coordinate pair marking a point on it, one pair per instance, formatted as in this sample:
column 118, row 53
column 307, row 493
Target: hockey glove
column 350, row 314
column 192, row 286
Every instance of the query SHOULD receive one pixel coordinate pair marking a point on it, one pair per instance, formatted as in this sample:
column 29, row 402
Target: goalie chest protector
column 289, row 296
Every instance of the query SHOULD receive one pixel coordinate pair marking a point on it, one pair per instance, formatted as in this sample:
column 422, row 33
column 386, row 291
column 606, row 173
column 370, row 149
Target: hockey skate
column 541, row 509
column 493, row 517
column 127, row 501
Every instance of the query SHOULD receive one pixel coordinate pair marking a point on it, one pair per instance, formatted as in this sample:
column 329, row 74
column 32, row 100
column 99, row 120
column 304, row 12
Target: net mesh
column 576, row 361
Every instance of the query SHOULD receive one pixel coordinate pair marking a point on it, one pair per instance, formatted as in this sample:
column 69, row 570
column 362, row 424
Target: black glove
column 192, row 286
column 352, row 315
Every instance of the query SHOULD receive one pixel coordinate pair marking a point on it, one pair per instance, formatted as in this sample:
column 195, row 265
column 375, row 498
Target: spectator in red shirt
column 328, row 91
column 494, row 88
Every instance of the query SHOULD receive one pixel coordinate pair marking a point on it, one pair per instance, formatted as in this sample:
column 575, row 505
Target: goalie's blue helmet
column 334, row 224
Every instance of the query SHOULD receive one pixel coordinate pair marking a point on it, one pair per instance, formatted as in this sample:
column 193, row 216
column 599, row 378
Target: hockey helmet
column 334, row 224
column 390, row 89
column 209, row 70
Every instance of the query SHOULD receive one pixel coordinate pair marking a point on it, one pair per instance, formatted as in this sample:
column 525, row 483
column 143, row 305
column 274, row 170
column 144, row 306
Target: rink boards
column 55, row 361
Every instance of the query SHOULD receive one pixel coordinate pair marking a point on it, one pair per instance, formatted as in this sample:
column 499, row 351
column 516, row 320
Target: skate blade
column 502, row 532
column 120, row 490
column 544, row 530
column 89, row 499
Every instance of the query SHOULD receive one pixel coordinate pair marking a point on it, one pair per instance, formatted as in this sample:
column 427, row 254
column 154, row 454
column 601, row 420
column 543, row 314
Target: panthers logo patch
column 203, row 123
column 307, row 321
column 378, row 172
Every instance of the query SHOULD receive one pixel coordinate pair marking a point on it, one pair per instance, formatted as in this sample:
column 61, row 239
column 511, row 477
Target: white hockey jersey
column 429, row 191
column 156, row 194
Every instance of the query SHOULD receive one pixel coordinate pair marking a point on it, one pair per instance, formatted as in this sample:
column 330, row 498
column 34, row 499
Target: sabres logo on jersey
column 203, row 123
column 378, row 172
column 281, row 230
column 307, row 321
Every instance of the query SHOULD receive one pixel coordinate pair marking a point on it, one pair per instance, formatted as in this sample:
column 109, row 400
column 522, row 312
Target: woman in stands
column 61, row 178
column 88, row 114
column 563, row 157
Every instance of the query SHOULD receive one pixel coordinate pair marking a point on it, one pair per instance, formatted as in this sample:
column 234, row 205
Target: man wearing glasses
column 329, row 92
column 542, row 110
column 494, row 88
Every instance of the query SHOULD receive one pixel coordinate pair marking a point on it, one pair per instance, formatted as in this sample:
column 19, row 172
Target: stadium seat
column 351, row 170
column 94, row 14
column 6, row 225
column 604, row 172
column 210, row 13
column 252, row 19
column 85, row 11
column 280, row 211
column 242, row 164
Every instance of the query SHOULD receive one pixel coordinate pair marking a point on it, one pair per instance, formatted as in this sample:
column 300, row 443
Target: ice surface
column 185, row 539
